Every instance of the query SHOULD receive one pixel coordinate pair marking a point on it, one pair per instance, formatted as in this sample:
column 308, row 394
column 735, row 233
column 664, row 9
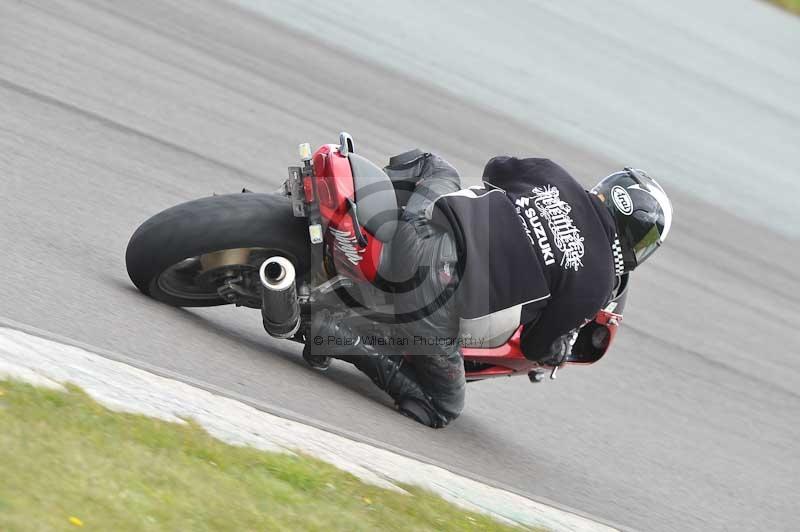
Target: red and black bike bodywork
column 336, row 195
column 344, row 197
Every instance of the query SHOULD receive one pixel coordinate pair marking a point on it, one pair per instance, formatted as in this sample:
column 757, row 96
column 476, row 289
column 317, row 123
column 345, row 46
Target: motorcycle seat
column 375, row 198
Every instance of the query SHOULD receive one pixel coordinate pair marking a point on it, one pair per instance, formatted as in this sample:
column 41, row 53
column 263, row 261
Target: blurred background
column 111, row 111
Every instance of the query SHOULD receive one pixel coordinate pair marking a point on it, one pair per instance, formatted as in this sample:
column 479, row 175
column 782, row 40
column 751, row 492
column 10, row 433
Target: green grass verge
column 789, row 5
column 66, row 462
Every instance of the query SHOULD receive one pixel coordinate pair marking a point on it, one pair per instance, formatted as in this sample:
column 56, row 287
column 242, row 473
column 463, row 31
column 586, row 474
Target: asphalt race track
column 112, row 111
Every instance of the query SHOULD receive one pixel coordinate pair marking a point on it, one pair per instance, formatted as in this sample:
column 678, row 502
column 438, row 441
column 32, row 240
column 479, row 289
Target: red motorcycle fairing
column 336, row 189
column 508, row 359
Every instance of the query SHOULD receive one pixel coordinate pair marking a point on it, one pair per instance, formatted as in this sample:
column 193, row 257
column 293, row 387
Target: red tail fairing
column 336, row 191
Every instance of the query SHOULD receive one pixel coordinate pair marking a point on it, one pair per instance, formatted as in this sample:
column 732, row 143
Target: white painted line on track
column 123, row 387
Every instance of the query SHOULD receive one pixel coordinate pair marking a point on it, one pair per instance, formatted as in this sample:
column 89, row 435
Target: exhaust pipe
column 280, row 309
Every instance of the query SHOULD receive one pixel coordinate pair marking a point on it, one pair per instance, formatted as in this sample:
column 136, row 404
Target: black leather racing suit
column 425, row 258
column 423, row 263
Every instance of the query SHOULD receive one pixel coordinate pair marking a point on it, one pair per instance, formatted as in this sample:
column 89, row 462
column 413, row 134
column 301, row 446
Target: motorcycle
column 322, row 240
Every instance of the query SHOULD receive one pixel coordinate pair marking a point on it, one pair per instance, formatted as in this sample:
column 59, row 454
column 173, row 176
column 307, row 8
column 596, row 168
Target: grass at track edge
column 68, row 463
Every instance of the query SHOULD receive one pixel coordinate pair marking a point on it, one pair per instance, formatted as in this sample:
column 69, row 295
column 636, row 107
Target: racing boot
column 398, row 379
column 330, row 338
column 318, row 362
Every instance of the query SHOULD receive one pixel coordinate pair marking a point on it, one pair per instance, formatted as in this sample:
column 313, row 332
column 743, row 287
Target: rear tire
column 211, row 224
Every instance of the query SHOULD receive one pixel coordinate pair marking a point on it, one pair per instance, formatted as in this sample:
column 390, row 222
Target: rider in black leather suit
column 532, row 244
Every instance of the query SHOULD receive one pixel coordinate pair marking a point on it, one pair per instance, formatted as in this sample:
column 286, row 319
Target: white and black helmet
column 641, row 210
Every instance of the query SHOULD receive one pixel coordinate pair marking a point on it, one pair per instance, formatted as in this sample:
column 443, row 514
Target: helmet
column 642, row 213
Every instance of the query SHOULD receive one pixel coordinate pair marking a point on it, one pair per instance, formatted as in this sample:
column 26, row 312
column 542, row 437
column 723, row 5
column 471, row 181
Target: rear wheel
column 203, row 253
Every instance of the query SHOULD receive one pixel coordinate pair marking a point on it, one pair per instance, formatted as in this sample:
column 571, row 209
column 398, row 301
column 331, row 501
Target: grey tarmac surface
column 112, row 111
column 706, row 92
